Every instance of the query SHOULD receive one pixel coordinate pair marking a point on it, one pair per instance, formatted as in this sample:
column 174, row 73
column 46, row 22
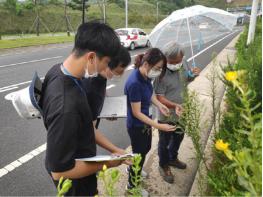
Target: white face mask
column 174, row 67
column 154, row 73
column 95, row 74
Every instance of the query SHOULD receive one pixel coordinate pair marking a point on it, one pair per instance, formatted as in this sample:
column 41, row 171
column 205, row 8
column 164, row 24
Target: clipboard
column 114, row 107
column 100, row 158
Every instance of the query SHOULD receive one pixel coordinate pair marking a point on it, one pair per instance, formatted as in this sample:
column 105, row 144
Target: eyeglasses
column 157, row 69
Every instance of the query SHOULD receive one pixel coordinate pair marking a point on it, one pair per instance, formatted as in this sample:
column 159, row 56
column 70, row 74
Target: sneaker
column 143, row 173
column 178, row 164
column 166, row 173
column 144, row 192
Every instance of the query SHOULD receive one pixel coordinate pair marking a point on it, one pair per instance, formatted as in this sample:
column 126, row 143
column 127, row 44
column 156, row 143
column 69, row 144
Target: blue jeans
column 168, row 146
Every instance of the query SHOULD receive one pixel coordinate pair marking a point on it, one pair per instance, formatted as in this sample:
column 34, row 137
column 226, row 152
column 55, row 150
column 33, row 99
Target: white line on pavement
column 205, row 49
column 7, row 89
column 32, row 61
column 130, row 67
column 13, row 165
column 110, row 86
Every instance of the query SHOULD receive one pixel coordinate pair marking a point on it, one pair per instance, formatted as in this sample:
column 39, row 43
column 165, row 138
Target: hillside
column 142, row 13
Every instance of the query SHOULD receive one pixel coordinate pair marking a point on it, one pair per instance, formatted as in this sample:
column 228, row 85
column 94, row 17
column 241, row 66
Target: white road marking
column 14, row 86
column 110, row 86
column 130, row 67
column 205, row 49
column 15, row 164
column 10, row 167
column 7, row 89
column 32, row 61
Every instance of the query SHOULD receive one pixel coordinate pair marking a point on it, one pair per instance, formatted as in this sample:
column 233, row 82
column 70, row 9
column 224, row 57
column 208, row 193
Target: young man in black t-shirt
column 67, row 114
column 96, row 86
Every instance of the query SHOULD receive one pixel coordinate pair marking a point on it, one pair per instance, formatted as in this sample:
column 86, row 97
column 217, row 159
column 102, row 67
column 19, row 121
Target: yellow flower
column 220, row 145
column 231, row 76
column 104, row 167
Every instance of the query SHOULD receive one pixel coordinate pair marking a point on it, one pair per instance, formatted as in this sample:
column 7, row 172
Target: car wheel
column 132, row 46
column 147, row 43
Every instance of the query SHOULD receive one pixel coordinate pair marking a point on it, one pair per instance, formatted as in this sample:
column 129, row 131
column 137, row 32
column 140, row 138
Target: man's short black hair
column 123, row 59
column 98, row 37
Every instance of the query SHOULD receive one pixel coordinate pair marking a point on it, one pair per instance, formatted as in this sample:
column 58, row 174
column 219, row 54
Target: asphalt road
column 19, row 137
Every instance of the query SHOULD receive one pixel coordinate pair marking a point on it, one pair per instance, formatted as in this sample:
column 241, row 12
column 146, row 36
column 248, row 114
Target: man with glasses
column 96, row 86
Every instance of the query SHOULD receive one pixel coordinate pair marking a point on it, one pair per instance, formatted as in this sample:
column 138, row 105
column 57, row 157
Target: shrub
column 236, row 169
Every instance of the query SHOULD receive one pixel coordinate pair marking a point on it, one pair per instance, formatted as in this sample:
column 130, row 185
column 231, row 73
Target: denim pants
column 168, row 146
column 141, row 141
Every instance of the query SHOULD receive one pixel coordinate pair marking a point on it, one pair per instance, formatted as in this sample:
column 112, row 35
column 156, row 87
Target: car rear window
column 122, row 32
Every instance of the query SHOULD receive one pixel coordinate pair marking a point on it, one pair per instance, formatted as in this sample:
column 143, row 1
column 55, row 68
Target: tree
column 120, row 3
column 13, row 6
column 55, row 2
column 77, row 4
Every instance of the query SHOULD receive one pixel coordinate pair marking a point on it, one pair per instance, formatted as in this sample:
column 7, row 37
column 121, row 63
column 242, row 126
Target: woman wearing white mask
column 139, row 91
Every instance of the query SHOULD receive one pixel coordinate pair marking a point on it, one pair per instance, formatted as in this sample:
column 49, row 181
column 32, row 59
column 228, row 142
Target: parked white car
column 133, row 37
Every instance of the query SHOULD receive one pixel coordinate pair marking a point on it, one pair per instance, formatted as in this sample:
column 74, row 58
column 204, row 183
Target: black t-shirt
column 70, row 134
column 95, row 88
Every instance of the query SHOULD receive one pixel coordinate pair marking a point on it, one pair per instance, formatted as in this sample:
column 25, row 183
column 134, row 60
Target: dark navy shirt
column 95, row 88
column 70, row 134
column 137, row 89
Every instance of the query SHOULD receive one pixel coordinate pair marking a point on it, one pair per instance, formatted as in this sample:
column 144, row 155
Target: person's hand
column 166, row 127
column 113, row 163
column 111, row 119
column 178, row 110
column 164, row 110
column 195, row 70
column 119, row 152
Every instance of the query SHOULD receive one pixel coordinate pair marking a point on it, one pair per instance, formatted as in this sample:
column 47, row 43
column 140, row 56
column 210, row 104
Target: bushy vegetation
column 237, row 168
column 19, row 17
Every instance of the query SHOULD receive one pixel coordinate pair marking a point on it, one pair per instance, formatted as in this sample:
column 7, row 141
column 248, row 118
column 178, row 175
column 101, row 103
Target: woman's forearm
column 155, row 100
column 142, row 117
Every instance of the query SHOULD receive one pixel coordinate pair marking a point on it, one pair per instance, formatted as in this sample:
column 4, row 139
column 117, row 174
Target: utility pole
column 126, row 13
column 157, row 11
column 104, row 11
column 37, row 18
column 83, row 11
column 253, row 21
column 66, row 17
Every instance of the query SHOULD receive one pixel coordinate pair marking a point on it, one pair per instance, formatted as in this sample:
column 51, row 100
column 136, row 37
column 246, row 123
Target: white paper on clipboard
column 114, row 107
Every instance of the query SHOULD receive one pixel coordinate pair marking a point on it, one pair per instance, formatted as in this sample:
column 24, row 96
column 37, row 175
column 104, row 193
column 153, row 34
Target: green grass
column 41, row 40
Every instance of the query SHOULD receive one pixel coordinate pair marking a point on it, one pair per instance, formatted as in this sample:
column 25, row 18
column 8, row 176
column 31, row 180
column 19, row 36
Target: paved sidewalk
column 184, row 179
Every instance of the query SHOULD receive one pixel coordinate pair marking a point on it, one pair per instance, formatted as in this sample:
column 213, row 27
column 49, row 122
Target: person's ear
column 90, row 56
column 147, row 66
